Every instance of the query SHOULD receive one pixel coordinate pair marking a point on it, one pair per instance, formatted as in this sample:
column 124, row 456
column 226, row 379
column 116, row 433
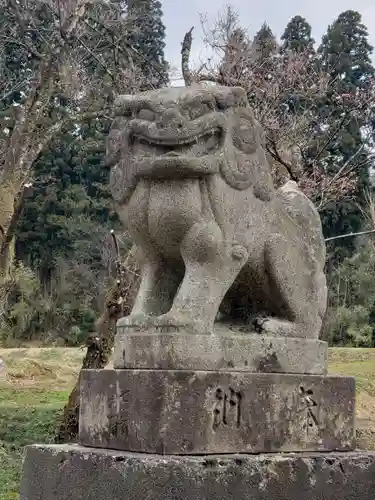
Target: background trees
column 315, row 101
column 63, row 236
column 147, row 38
column 346, row 55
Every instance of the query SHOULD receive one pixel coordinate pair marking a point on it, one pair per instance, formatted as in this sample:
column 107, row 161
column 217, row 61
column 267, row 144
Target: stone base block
column 186, row 412
column 61, row 472
column 225, row 351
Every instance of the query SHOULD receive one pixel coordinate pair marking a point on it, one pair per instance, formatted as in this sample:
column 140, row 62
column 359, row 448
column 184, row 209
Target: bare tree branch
column 284, row 91
column 185, row 57
column 349, row 235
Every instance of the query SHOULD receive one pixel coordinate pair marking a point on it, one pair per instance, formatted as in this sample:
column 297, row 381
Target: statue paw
column 181, row 322
column 274, row 327
column 170, row 322
column 135, row 320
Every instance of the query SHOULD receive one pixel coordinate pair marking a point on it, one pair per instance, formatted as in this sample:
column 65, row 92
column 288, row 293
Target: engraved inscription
column 117, row 426
column 309, row 407
column 227, row 409
column 117, row 420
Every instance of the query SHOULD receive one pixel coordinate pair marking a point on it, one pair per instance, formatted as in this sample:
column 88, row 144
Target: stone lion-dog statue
column 194, row 189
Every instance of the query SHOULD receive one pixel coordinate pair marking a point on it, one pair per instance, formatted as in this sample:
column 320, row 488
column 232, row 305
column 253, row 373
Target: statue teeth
column 172, row 153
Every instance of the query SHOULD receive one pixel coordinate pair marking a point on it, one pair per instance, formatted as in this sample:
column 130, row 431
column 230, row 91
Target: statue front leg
column 211, row 266
column 159, row 282
column 160, row 277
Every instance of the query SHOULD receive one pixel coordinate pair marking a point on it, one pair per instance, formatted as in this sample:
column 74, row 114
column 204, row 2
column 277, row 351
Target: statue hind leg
column 299, row 288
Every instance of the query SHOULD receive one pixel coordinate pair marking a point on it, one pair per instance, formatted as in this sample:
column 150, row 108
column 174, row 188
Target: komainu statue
column 194, row 189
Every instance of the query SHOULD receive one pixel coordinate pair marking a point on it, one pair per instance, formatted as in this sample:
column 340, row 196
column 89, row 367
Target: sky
column 181, row 15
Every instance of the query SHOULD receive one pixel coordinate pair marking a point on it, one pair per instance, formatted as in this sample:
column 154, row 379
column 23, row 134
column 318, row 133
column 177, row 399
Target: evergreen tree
column 297, row 36
column 64, row 231
column 264, row 44
column 69, row 204
column 346, row 55
column 71, row 177
column 346, row 52
column 146, row 41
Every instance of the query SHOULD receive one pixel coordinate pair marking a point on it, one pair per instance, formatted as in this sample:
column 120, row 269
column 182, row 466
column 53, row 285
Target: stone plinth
column 225, row 351
column 187, row 412
column 61, row 472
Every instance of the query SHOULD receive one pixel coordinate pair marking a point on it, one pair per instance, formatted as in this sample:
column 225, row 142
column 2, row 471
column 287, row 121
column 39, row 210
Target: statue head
column 199, row 130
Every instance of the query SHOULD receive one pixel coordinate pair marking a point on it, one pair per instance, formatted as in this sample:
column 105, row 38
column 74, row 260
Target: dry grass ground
column 40, row 368
column 359, row 363
column 35, row 383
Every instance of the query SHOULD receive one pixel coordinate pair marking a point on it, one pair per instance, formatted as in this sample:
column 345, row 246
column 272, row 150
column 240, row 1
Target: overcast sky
column 181, row 15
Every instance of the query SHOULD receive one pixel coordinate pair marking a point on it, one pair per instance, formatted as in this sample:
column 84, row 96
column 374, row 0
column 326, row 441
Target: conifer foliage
column 264, row 44
column 345, row 54
column 147, row 40
column 297, row 36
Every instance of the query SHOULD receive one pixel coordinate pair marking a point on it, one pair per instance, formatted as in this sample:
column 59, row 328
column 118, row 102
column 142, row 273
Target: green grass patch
column 26, row 416
column 9, row 473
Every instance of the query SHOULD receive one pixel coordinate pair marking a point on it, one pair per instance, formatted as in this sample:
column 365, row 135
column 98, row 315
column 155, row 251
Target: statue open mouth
column 172, row 147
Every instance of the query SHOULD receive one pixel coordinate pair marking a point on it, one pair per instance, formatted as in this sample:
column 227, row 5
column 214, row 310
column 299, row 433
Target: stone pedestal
column 194, row 412
column 226, row 351
column 76, row 473
column 185, row 417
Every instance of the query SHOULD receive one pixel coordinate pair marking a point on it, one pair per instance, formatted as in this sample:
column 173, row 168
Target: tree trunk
column 7, row 209
column 119, row 302
column 98, row 353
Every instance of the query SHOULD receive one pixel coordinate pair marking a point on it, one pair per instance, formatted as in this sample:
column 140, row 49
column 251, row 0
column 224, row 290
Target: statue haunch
column 194, row 189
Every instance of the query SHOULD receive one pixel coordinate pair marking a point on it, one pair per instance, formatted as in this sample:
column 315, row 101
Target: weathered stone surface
column 61, row 472
column 186, row 412
column 195, row 192
column 229, row 352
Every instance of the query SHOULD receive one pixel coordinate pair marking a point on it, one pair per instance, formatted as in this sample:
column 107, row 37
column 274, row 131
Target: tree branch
column 185, row 57
column 97, row 59
column 349, row 235
column 28, row 47
column 276, row 155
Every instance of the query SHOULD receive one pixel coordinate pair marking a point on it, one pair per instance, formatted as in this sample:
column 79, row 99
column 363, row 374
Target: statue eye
column 146, row 114
column 199, row 109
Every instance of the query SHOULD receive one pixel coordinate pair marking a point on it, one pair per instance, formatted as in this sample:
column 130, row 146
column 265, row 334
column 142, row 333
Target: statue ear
column 246, row 165
column 244, row 131
column 118, row 135
column 123, row 105
column 260, row 133
column 242, row 172
column 230, row 97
